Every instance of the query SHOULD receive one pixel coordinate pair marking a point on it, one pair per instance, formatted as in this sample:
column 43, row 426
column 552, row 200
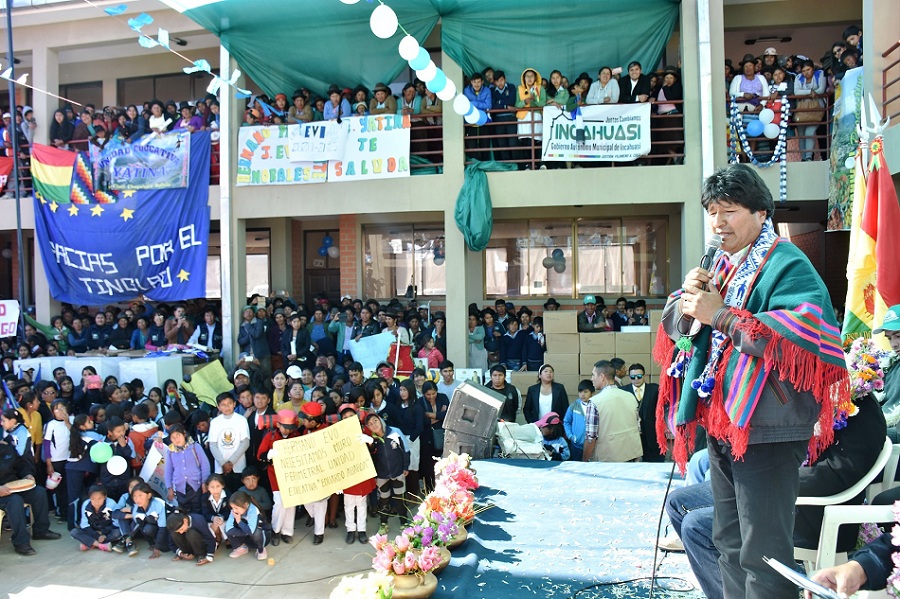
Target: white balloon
column 116, row 465
column 850, row 162
column 428, row 73
column 772, row 130
column 766, row 115
column 448, row 92
column 334, row 251
column 349, row 1
column 409, row 47
column 438, row 261
column 461, row 105
column 473, row 117
column 383, row 21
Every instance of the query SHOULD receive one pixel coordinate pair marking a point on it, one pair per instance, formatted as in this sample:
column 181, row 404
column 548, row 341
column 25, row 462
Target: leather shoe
column 363, row 538
column 351, row 537
column 276, row 540
column 332, row 524
column 47, row 536
column 317, row 539
column 309, row 522
column 288, row 539
column 25, row 550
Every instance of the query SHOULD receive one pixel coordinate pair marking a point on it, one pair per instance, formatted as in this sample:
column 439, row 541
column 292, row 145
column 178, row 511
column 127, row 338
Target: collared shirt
column 591, row 420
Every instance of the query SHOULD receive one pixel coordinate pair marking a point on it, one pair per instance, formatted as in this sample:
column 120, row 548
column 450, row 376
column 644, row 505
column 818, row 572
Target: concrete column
column 280, row 239
column 880, row 23
column 232, row 229
column 45, row 76
column 459, row 260
column 110, row 92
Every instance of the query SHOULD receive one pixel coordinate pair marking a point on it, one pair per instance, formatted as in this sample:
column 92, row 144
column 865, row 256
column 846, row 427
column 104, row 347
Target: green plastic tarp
column 474, row 213
column 285, row 44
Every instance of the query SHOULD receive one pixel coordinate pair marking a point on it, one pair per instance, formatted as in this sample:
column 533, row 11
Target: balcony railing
column 821, row 138
column 506, row 139
column 890, row 86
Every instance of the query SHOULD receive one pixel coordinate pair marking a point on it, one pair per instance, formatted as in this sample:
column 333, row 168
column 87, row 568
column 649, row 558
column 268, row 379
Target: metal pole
column 226, row 229
column 14, row 139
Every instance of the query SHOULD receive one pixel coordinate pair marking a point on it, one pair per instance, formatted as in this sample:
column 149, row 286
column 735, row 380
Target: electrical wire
column 659, row 525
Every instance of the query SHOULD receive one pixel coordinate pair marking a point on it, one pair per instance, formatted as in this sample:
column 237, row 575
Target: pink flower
column 399, row 567
column 409, row 561
column 378, row 541
column 895, row 536
column 402, row 543
column 389, row 551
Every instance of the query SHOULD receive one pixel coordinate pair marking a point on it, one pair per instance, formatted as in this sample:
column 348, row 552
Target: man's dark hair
column 606, row 368
column 586, row 385
column 637, row 366
column 445, row 364
column 640, row 304
column 175, row 521
column 634, row 63
column 617, row 363
column 141, row 411
column 498, row 74
column 355, row 366
column 476, row 76
column 171, row 418
column 851, row 30
column 738, row 184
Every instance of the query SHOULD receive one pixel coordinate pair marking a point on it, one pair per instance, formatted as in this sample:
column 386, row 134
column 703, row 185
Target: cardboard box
column 561, row 321
column 563, row 363
column 570, row 382
column 597, row 343
column 563, row 343
column 586, row 361
column 632, row 343
column 643, row 359
column 655, row 318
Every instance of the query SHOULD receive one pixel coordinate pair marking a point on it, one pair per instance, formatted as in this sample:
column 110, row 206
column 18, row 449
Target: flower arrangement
column 866, row 364
column 414, row 551
column 375, row 585
column 452, row 495
column 893, row 581
column 454, row 470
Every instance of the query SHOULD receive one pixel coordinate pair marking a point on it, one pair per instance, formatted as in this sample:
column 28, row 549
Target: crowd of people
column 294, row 375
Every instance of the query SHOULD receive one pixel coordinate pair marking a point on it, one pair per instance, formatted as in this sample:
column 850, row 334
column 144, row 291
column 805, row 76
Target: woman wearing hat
column 300, row 112
column 749, row 89
column 668, row 136
column 383, row 102
column 159, row 121
column 190, row 121
column 551, row 305
column 286, row 425
column 336, row 107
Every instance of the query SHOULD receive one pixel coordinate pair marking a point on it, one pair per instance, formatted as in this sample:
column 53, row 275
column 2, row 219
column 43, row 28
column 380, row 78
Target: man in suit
column 647, row 395
column 262, row 408
column 636, row 87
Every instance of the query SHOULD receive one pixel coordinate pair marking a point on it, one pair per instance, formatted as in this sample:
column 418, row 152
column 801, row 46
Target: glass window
column 401, row 259
column 257, row 273
column 570, row 258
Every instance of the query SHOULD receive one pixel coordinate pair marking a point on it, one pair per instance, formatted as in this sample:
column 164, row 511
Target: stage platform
column 556, row 528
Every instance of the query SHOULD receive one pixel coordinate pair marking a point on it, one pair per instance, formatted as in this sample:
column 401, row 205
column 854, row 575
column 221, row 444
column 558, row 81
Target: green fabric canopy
column 286, row 44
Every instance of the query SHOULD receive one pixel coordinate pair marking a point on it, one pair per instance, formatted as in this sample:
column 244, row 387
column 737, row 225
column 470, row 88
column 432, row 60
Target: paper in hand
column 801, row 581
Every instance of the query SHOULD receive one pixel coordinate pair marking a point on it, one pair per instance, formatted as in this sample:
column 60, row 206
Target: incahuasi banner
column 610, row 133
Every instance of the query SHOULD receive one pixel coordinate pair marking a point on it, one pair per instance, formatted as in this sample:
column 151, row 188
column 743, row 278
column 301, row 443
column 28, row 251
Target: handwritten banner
column 9, row 318
column 264, row 158
column 324, row 140
column 378, row 148
column 371, row 350
column 608, row 132
column 155, row 161
column 358, row 148
column 315, row 466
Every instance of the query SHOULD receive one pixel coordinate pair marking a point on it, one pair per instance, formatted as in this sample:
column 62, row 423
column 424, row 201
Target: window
column 256, row 266
column 570, row 258
column 177, row 87
column 402, row 256
column 83, row 93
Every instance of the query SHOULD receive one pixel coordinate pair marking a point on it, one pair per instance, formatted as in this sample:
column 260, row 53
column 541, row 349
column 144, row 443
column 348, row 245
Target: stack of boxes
column 573, row 354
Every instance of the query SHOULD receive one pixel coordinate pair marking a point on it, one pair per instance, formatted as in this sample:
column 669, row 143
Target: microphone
column 712, row 246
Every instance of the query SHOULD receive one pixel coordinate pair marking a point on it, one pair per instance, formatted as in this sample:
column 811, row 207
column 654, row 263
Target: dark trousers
column 89, row 535
column 191, row 542
column 189, row 501
column 59, row 494
column 238, row 537
column 754, row 516
column 77, row 484
column 14, row 506
column 504, row 147
column 474, row 140
column 690, row 509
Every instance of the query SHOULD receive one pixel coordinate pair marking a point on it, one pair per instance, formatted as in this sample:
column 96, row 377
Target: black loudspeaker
column 471, row 421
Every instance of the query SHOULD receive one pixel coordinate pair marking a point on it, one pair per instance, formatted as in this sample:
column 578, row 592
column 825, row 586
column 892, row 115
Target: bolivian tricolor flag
column 874, row 257
column 860, row 264
column 51, row 170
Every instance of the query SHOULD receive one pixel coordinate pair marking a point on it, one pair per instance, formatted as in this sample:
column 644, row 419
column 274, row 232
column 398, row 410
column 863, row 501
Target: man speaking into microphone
column 753, row 354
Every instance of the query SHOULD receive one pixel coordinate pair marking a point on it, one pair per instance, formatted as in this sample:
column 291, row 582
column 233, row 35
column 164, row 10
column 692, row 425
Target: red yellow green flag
column 51, row 170
column 881, row 222
column 860, row 307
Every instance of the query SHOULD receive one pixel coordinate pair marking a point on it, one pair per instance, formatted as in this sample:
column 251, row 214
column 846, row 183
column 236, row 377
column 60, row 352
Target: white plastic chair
column 826, row 553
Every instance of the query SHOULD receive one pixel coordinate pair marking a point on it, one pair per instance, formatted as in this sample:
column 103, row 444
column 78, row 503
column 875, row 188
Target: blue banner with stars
column 151, row 242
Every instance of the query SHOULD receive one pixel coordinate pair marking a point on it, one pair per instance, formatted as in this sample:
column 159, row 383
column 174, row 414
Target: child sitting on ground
column 250, row 478
column 96, row 527
column 215, row 508
column 554, row 436
column 148, row 520
column 245, row 526
column 190, row 538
